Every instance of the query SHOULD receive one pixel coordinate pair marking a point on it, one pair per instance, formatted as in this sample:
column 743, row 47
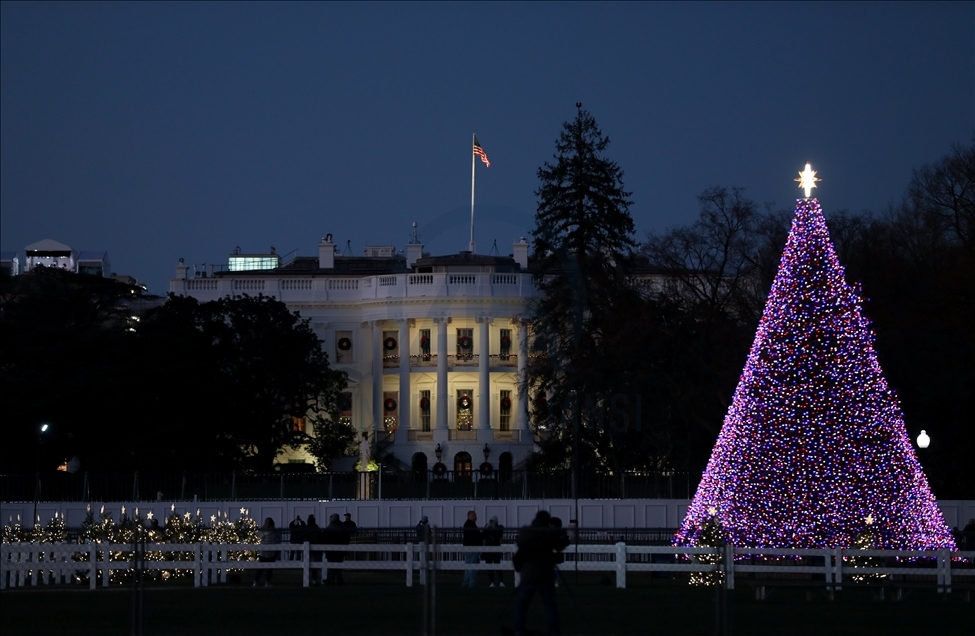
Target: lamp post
column 438, row 452
column 37, row 473
column 487, row 452
column 923, row 441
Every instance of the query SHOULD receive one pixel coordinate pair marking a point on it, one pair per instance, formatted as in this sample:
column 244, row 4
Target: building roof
column 92, row 256
column 466, row 258
column 47, row 245
column 344, row 266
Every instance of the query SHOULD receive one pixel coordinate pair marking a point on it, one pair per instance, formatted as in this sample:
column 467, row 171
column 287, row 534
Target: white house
column 433, row 346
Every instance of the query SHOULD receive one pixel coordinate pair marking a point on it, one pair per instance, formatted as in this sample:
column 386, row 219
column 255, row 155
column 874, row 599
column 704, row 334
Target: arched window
column 462, row 465
column 420, row 466
column 505, row 461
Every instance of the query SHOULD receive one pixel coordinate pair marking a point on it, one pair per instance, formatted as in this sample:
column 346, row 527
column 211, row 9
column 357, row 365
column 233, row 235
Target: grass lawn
column 379, row 603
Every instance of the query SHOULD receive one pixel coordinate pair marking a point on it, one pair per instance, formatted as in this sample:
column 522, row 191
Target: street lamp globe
column 923, row 441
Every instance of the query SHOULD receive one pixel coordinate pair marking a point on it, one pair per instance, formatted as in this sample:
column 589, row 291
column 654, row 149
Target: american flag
column 478, row 151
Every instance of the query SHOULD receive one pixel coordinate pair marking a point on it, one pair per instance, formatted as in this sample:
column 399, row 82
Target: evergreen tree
column 814, row 442
column 582, row 250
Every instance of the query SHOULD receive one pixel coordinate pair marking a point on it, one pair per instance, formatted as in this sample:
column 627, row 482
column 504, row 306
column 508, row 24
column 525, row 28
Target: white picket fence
column 24, row 564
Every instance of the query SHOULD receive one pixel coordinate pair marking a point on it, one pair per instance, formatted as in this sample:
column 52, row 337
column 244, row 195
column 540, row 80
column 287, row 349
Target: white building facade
column 434, row 347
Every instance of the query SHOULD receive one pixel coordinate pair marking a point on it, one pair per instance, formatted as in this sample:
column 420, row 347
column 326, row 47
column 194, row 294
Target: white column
column 484, row 378
column 377, row 375
column 404, row 374
column 442, row 389
column 521, row 414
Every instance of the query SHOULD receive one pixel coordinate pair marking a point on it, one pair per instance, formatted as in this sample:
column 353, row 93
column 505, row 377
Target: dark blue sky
column 159, row 131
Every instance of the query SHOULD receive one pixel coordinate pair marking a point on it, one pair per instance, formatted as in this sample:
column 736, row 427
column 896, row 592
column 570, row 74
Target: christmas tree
column 814, row 442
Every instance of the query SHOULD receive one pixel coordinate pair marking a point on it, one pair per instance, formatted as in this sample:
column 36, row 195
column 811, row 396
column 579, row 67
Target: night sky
column 159, row 131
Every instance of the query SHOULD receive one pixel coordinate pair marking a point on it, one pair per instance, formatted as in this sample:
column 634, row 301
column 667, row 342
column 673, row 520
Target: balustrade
column 296, row 284
column 247, row 284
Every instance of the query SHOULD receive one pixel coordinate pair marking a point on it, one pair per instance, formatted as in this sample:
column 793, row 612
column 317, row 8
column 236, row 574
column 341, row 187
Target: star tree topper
column 807, row 179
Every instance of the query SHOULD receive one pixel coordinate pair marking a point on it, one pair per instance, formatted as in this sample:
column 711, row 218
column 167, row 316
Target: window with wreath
column 505, row 344
column 391, row 410
column 505, row 422
column 425, row 407
column 465, row 409
column 465, row 344
column 425, row 343
column 390, row 347
column 343, row 347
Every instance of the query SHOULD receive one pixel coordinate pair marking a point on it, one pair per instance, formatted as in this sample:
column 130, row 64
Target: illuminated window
column 505, row 422
column 244, row 263
column 345, row 408
column 465, row 344
column 425, row 410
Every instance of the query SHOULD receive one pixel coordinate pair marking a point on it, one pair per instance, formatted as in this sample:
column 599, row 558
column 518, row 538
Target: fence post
column 85, row 489
column 330, row 485
column 34, row 556
column 135, row 486
column 106, row 559
column 828, row 574
column 946, row 555
column 729, row 567
column 409, row 564
column 305, row 563
column 205, row 557
column 621, row 565
column 838, row 568
column 182, row 487
column 282, row 485
column 196, row 565
column 92, row 571
column 233, row 485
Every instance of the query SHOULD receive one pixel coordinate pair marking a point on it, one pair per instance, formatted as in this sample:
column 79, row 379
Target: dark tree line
column 636, row 352
column 186, row 386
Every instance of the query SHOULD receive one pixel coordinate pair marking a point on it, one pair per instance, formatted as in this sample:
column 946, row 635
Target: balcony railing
column 279, row 283
column 424, row 360
column 422, row 484
column 463, row 360
column 507, row 436
column 504, row 360
column 467, row 360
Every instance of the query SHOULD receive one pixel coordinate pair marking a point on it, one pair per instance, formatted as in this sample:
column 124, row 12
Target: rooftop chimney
column 519, row 251
column 326, row 253
column 181, row 270
column 414, row 249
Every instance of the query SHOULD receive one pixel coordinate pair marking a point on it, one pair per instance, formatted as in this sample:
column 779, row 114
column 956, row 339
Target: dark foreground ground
column 381, row 604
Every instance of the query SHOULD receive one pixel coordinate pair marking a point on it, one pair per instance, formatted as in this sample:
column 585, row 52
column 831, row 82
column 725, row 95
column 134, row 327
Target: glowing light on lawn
column 923, row 441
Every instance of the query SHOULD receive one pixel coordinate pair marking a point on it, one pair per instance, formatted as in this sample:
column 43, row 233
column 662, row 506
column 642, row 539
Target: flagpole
column 473, row 158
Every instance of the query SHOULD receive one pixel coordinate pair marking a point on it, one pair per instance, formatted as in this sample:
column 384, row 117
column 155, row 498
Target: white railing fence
column 24, row 564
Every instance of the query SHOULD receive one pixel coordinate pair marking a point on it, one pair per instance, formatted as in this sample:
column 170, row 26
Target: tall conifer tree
column 582, row 245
